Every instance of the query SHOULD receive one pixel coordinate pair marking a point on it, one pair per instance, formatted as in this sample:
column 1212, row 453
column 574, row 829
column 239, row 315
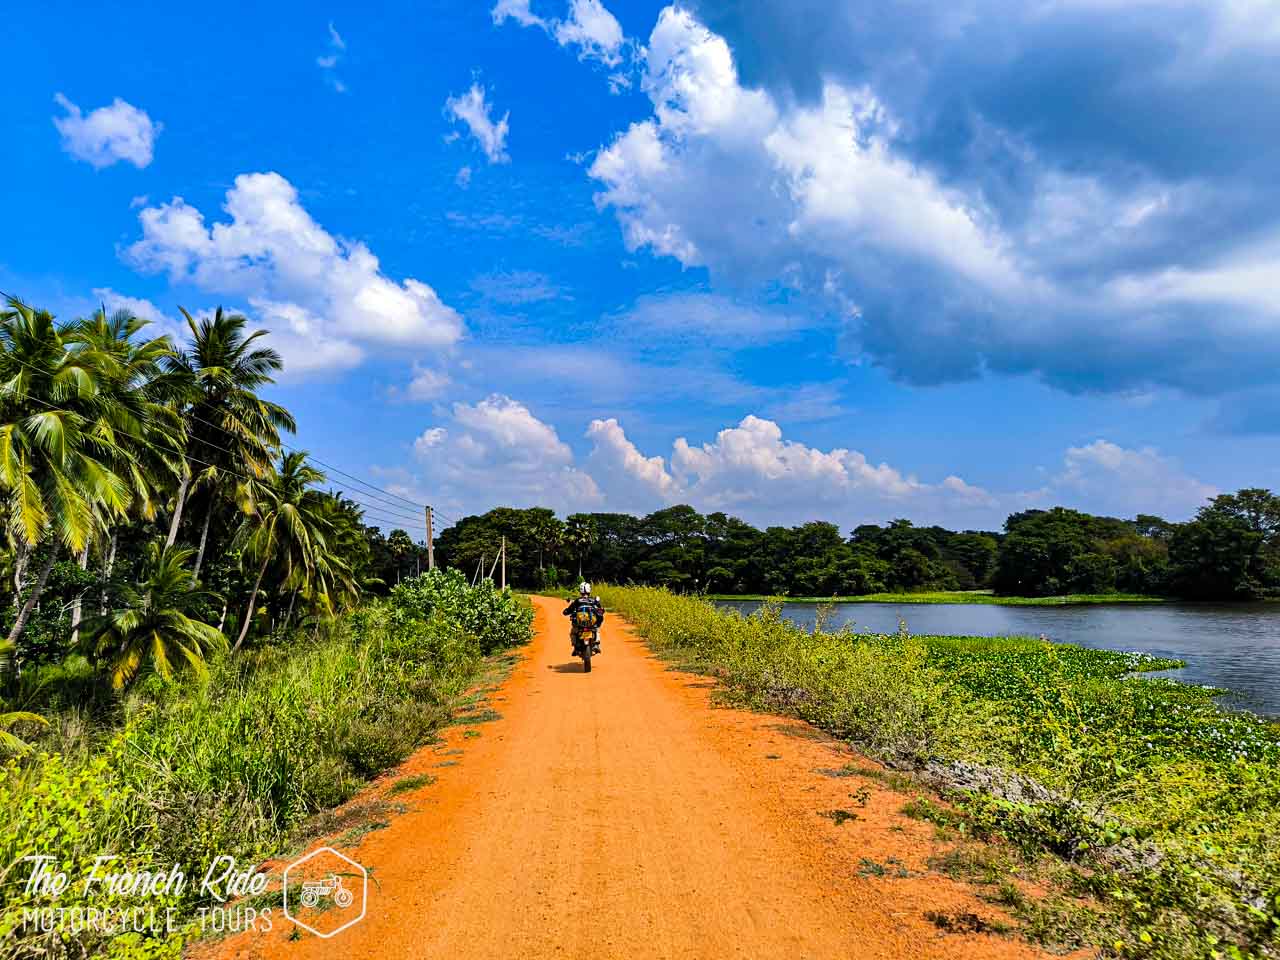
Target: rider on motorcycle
column 585, row 601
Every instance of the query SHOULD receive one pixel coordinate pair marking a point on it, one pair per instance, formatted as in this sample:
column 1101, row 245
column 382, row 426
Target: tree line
column 152, row 511
column 1229, row 551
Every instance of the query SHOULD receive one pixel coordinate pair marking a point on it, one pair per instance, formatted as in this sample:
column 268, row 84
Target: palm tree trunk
column 177, row 510
column 288, row 617
column 253, row 599
column 21, row 556
column 204, row 538
column 109, row 564
column 222, row 620
column 78, row 602
column 25, row 613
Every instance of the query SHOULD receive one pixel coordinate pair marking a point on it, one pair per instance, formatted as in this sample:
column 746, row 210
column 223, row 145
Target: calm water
column 1234, row 646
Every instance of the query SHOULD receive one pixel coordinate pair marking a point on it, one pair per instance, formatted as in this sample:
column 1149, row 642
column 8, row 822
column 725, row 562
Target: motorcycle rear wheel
column 586, row 659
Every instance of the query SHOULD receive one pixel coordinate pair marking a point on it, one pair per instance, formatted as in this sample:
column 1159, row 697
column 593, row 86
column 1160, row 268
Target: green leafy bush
column 494, row 617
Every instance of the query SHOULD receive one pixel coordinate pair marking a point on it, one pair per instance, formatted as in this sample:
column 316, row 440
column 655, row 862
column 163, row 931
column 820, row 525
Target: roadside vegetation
column 232, row 761
column 1157, row 812
column 1229, row 551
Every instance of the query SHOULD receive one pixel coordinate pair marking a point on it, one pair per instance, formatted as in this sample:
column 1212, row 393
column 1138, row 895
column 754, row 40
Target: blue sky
column 795, row 259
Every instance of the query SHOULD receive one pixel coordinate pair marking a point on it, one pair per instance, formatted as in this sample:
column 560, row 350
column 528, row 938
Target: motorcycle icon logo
column 330, row 899
column 313, row 891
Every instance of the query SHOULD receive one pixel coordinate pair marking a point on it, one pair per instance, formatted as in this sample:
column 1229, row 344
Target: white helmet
column 584, row 588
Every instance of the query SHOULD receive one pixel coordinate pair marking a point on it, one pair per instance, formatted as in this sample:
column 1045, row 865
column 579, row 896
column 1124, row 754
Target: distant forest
column 1229, row 550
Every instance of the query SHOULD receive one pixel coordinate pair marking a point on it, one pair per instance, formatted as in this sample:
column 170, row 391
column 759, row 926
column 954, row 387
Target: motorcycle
column 586, row 637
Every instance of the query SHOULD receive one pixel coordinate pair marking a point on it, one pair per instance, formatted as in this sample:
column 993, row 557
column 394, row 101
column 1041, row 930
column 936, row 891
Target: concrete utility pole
column 431, row 550
column 504, row 563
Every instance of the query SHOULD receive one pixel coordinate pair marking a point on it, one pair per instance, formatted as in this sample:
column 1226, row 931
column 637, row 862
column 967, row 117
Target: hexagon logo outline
column 311, row 894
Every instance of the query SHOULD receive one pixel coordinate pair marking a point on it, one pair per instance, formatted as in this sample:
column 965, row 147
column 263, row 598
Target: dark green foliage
column 1231, row 550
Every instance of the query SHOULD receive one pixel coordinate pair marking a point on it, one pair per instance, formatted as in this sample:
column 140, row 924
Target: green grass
column 238, row 763
column 1161, row 810
column 955, row 596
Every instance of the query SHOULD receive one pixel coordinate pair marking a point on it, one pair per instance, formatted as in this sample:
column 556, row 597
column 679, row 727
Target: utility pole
column 431, row 550
column 504, row 563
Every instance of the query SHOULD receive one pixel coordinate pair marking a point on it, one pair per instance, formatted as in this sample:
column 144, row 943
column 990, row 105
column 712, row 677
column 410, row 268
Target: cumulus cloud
column 635, row 482
column 751, row 470
column 472, row 109
column 955, row 235
column 497, row 451
column 107, row 135
column 325, row 299
column 1106, row 478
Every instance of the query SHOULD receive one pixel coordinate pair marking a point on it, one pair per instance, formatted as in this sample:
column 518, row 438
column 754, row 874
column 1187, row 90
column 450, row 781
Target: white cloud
column 1103, row 477
column 326, row 298
column 589, row 27
column 752, row 471
column 517, row 10
column 724, row 176
column 635, row 482
column 463, row 178
column 472, row 109
column 593, row 30
column 427, row 384
column 107, row 135
column 497, row 452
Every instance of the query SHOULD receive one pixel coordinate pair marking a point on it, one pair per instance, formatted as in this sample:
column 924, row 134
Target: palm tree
column 152, row 622
column 233, row 432
column 58, row 450
column 148, row 429
column 580, row 533
column 284, row 520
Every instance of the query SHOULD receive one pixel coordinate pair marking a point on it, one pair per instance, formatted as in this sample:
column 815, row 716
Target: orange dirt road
column 622, row 814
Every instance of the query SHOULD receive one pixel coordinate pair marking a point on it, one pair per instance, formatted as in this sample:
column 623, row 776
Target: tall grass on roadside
column 1160, row 804
column 231, row 765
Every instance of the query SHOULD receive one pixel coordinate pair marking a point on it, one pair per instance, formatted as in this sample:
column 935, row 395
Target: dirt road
column 621, row 814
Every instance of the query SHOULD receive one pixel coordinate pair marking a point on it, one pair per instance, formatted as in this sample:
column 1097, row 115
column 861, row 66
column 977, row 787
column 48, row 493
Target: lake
column 1233, row 646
